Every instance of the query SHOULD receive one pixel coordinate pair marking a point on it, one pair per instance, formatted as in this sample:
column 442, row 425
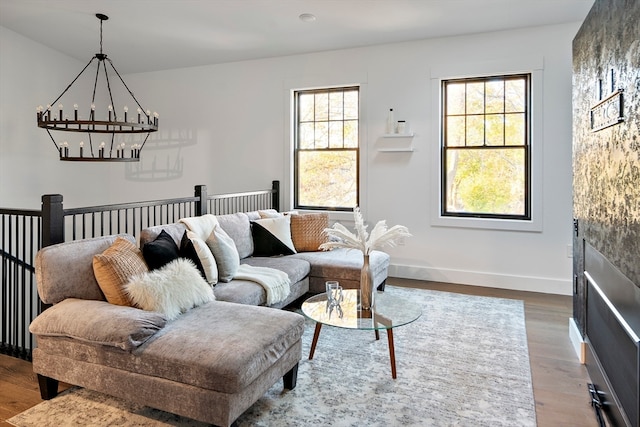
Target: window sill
column 487, row 223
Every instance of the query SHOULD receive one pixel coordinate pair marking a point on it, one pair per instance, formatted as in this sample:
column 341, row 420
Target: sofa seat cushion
column 296, row 269
column 98, row 322
column 218, row 346
column 247, row 292
column 343, row 265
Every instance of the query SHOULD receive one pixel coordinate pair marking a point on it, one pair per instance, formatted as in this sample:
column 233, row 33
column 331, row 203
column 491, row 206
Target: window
column 326, row 148
column 486, row 147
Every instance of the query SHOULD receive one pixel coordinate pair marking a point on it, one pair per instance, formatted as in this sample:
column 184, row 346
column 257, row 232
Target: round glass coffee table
column 387, row 313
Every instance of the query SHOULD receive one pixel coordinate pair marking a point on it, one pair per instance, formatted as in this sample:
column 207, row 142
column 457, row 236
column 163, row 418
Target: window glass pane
column 327, row 178
column 455, row 98
column 321, row 139
column 322, row 106
column 455, row 131
column 514, row 129
column 335, row 106
column 475, row 131
column 515, row 95
column 305, row 105
column 305, row 136
column 486, row 181
column 475, row 98
column 495, row 129
column 335, row 134
column 351, row 105
column 495, row 96
column 351, row 134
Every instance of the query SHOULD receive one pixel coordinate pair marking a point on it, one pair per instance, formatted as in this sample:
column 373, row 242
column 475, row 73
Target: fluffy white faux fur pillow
column 170, row 290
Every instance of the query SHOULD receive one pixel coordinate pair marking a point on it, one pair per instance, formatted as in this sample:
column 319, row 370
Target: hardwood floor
column 559, row 380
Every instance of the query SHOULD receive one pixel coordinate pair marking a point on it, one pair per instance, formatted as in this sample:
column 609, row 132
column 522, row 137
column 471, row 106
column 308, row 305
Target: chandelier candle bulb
column 81, row 147
column 110, row 107
column 139, row 111
column 60, row 108
column 126, row 110
column 75, row 112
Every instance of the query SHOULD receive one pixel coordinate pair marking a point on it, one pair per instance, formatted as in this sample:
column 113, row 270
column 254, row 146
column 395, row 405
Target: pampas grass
column 380, row 235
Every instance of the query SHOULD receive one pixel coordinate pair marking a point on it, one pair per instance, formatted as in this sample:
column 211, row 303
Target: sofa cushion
column 225, row 253
column 162, row 250
column 115, row 266
column 65, row 270
column 343, row 265
column 205, row 256
column 188, row 251
column 246, row 341
column 269, row 213
column 272, row 236
column 170, row 290
column 237, row 226
column 307, row 231
column 98, row 322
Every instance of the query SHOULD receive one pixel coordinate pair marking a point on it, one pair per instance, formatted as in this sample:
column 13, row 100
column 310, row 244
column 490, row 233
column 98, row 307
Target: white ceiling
column 152, row 35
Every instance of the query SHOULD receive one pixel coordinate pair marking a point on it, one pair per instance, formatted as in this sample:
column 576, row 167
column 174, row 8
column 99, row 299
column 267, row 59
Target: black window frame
column 297, row 150
column 526, row 147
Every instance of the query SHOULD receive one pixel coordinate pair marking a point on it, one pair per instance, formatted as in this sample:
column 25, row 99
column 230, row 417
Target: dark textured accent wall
column 606, row 163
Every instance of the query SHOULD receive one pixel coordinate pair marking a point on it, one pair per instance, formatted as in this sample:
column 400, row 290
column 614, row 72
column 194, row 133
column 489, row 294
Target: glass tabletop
column 388, row 312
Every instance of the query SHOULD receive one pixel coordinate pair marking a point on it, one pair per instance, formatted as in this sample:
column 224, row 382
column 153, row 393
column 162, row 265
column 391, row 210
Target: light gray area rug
column 464, row 362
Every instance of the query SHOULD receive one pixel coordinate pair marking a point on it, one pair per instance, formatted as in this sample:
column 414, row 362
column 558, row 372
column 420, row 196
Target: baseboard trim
column 491, row 280
column 578, row 344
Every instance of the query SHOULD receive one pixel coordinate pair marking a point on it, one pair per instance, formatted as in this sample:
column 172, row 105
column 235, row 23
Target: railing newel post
column 201, row 203
column 52, row 219
column 275, row 186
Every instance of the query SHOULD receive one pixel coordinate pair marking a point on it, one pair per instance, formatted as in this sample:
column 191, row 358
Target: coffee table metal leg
column 392, row 353
column 316, row 334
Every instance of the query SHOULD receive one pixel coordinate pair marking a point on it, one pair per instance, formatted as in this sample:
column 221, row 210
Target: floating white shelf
column 392, row 150
column 398, row 135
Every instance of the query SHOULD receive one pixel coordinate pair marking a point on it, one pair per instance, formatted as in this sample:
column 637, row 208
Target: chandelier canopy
column 108, row 121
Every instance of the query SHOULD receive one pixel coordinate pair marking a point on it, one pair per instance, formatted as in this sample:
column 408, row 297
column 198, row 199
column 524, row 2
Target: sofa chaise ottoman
column 210, row 363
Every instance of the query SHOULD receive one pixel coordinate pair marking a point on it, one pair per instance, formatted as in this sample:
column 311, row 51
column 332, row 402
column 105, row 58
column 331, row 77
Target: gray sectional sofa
column 308, row 270
column 210, row 363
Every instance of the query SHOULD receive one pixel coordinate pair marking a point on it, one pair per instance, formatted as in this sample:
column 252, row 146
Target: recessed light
column 307, row 17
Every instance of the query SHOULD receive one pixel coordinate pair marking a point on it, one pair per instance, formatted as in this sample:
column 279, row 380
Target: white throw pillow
column 225, row 253
column 170, row 290
column 206, row 257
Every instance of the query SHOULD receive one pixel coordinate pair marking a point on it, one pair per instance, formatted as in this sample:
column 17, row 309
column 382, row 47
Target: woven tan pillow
column 306, row 231
column 115, row 266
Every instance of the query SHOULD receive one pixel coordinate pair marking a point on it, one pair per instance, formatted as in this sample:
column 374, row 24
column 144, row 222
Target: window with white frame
column 326, row 148
column 486, row 147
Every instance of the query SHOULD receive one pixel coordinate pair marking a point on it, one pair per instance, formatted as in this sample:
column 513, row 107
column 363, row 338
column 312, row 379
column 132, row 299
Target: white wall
column 227, row 126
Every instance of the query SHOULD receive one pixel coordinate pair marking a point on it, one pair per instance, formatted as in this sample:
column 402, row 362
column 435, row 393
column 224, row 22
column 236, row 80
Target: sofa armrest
column 98, row 322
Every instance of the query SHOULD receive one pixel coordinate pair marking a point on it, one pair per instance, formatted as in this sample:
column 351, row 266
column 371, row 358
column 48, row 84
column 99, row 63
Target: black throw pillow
column 161, row 251
column 188, row 251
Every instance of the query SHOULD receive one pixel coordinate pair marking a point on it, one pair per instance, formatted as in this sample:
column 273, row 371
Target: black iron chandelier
column 107, row 121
